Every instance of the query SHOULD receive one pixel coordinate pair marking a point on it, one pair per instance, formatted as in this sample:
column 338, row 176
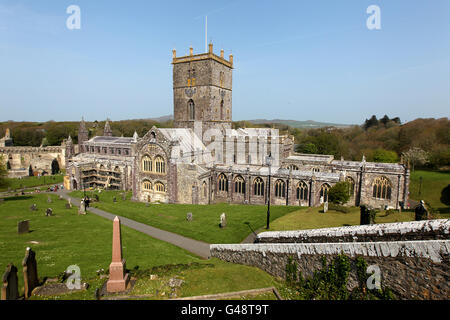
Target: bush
column 445, row 195
column 339, row 193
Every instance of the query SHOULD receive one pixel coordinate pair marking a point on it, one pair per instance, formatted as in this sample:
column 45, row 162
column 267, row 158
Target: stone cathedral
column 202, row 160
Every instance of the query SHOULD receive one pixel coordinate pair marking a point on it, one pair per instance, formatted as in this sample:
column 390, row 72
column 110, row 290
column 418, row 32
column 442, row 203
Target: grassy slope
column 312, row 218
column 29, row 182
column 66, row 239
column 241, row 219
column 432, row 184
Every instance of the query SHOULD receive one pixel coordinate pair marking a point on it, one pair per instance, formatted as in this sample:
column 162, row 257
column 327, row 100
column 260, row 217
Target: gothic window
column 293, row 167
column 191, row 109
column 324, row 191
column 160, row 165
column 315, row 170
column 302, row 191
column 127, row 152
column 147, row 186
column 280, row 189
column 382, row 188
column 105, row 150
column 159, row 187
column 119, row 152
column 147, row 165
column 223, row 182
column 222, row 114
column 239, row 185
column 351, row 186
column 258, row 187
column 111, row 150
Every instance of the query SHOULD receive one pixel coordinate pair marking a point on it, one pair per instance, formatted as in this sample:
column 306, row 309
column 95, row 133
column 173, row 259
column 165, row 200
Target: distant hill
column 301, row 124
column 308, row 124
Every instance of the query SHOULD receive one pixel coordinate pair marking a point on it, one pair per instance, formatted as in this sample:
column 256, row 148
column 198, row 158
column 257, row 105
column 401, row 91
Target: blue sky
column 301, row 60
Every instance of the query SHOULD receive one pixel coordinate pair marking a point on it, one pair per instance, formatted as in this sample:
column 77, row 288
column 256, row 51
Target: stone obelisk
column 118, row 280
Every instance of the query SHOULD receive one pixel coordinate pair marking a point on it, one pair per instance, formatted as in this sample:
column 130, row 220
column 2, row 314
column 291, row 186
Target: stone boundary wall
column 411, row 269
column 401, row 231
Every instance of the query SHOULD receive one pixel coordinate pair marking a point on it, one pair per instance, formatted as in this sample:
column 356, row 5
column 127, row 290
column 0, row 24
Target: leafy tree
column 416, row 156
column 372, row 122
column 445, row 195
column 338, row 194
column 3, row 173
column 382, row 155
column 385, row 120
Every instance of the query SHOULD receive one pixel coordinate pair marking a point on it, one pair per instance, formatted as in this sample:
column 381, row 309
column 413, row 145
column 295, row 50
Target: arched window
column 160, row 165
column 191, row 109
column 147, row 165
column 159, row 187
column 239, row 185
column 302, row 191
column 147, row 185
column 258, row 187
column 280, row 189
column 382, row 188
column 223, row 182
column 293, row 167
column 222, row 114
column 324, row 191
column 316, row 169
column 351, row 186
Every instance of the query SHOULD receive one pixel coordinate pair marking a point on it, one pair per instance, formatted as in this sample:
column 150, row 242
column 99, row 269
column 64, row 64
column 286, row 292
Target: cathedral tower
column 202, row 87
column 83, row 135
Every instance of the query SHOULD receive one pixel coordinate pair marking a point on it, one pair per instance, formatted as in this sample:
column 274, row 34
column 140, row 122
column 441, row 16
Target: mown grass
column 432, row 184
column 30, row 182
column 69, row 239
column 242, row 220
column 313, row 218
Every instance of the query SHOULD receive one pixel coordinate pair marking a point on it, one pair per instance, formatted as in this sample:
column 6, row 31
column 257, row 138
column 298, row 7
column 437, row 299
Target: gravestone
column 23, row 226
column 325, row 207
column 366, row 215
column 189, row 216
column 96, row 197
column 30, row 275
column 49, row 200
column 114, row 199
column 68, row 206
column 82, row 209
column 60, row 197
column 223, row 220
column 10, row 283
column 33, row 207
column 421, row 212
column 49, row 212
column 147, row 204
column 118, row 278
column 124, row 196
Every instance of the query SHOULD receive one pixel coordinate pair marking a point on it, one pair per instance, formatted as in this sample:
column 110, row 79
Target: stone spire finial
column 7, row 133
column 135, row 136
column 107, row 132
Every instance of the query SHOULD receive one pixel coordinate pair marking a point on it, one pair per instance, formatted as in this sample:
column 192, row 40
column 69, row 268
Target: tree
column 416, row 156
column 55, row 167
column 30, row 171
column 372, row 122
column 3, row 173
column 382, row 155
column 445, row 195
column 339, row 194
column 385, row 120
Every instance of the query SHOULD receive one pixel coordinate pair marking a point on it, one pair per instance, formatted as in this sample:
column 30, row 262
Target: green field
column 313, row 218
column 70, row 239
column 241, row 219
column 432, row 184
column 30, row 182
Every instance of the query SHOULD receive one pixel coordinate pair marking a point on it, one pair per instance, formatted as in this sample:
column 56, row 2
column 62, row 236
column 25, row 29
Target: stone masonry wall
column 402, row 231
column 411, row 269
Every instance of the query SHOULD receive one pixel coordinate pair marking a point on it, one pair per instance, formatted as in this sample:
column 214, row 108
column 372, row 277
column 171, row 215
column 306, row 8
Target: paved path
column 197, row 247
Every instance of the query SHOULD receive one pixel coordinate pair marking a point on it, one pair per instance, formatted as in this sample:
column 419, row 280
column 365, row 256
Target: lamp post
column 269, row 160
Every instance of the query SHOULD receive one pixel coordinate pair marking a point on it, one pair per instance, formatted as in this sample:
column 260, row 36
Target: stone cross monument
column 118, row 280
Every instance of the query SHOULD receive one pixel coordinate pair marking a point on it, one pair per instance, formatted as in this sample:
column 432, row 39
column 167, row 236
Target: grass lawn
column 29, row 182
column 68, row 239
column 312, row 218
column 241, row 219
column 432, row 184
